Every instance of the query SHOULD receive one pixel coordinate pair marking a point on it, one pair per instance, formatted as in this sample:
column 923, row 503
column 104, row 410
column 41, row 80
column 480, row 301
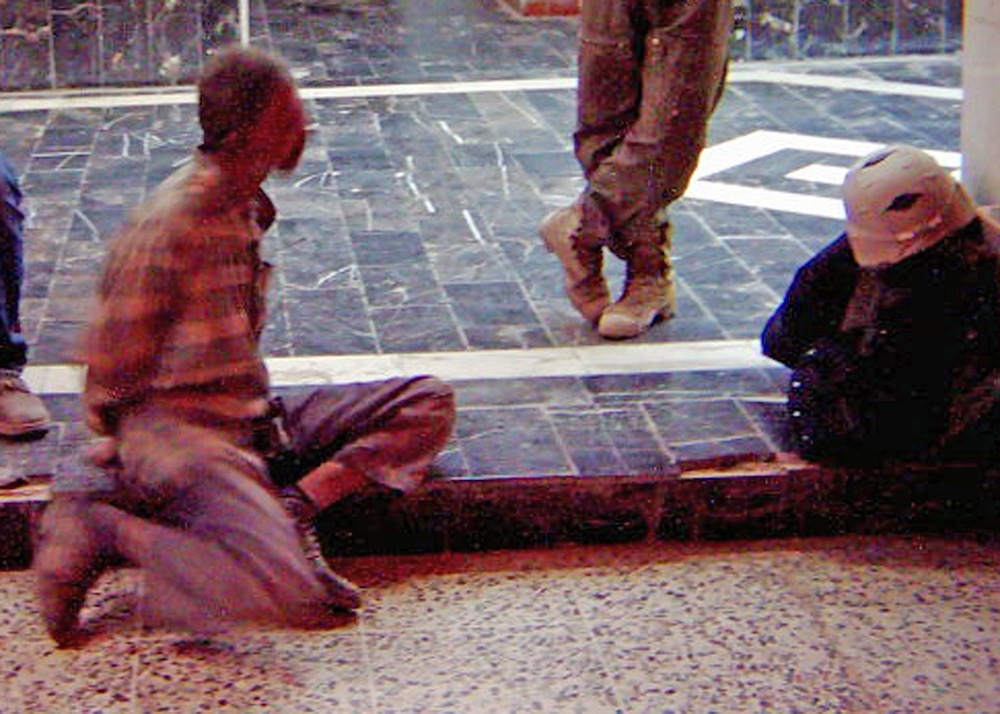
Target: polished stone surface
column 411, row 228
column 65, row 43
column 828, row 625
column 410, row 231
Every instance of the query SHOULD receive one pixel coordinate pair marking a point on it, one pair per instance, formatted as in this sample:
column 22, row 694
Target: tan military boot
column 582, row 259
column 21, row 412
column 646, row 300
column 649, row 294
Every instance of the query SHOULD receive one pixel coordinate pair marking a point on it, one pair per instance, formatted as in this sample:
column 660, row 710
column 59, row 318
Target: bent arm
column 814, row 305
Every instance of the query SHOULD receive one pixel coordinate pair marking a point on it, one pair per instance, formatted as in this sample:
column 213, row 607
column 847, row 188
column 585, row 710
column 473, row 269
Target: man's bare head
column 248, row 104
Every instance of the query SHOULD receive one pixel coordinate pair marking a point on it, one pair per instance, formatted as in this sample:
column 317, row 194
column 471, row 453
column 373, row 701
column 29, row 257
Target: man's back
column 180, row 306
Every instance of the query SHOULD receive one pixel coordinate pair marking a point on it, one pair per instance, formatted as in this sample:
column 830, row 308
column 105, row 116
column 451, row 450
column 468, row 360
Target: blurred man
column 650, row 75
column 893, row 330
column 177, row 384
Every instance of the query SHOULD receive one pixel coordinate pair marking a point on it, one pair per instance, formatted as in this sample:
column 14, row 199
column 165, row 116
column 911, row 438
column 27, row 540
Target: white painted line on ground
column 584, row 361
column 757, row 145
column 832, row 175
column 14, row 102
column 819, row 173
column 853, row 84
column 107, row 98
column 755, row 197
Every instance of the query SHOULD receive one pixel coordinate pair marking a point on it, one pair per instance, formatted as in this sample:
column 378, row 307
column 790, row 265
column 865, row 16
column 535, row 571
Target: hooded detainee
column 892, row 331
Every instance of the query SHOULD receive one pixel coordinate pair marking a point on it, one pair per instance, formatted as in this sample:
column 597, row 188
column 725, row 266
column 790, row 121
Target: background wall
column 980, row 110
column 770, row 29
column 81, row 43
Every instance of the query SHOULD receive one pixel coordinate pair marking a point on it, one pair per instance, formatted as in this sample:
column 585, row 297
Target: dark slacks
column 390, row 430
column 13, row 349
column 196, row 512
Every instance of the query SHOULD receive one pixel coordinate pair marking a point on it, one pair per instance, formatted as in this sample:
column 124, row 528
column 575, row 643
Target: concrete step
column 537, row 462
column 779, row 496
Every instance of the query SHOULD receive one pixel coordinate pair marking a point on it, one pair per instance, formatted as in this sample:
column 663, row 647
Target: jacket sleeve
column 814, row 305
column 134, row 310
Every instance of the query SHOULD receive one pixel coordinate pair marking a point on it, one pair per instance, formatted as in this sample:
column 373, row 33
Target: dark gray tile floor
column 411, row 227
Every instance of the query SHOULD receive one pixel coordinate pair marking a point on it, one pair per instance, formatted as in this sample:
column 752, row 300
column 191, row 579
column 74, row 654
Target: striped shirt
column 180, row 306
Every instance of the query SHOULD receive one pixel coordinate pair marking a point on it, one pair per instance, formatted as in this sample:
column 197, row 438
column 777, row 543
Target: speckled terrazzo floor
column 844, row 625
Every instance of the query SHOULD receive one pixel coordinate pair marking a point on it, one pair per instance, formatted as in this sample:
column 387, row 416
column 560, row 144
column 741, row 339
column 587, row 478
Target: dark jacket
column 923, row 336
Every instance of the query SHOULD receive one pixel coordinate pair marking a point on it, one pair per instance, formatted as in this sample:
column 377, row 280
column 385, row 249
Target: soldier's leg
column 684, row 58
column 608, row 97
column 21, row 411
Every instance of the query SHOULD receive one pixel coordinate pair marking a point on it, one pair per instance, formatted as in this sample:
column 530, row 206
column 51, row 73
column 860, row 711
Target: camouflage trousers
column 650, row 75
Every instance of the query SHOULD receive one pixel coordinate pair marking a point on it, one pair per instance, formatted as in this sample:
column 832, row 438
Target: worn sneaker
column 70, row 554
column 582, row 263
column 646, row 299
column 21, row 412
column 342, row 594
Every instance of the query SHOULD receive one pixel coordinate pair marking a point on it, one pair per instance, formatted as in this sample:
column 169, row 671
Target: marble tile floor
column 407, row 243
column 861, row 624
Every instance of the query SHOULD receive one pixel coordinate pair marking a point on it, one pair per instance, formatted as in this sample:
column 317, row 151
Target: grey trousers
column 195, row 507
column 390, row 430
column 650, row 75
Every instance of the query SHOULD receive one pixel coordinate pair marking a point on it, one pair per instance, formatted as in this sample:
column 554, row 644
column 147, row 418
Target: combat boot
column 649, row 294
column 341, row 593
column 21, row 412
column 582, row 259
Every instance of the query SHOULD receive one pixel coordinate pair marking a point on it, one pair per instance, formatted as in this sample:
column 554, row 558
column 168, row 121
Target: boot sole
column 611, row 328
column 24, row 429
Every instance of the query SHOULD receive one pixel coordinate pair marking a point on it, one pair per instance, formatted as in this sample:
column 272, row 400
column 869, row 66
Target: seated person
column 177, row 386
column 892, row 330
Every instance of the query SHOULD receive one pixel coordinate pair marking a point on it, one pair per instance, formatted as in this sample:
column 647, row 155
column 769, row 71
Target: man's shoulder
column 990, row 232
column 835, row 257
column 184, row 210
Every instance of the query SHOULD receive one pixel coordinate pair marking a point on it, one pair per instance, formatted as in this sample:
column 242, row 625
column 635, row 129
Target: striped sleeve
column 134, row 311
